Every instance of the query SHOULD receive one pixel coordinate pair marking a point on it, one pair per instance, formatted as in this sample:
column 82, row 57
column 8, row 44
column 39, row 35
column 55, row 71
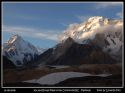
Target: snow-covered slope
column 104, row 32
column 40, row 50
column 18, row 50
column 57, row 77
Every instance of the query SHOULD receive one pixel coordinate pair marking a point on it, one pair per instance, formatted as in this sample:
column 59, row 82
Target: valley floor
column 16, row 77
column 89, row 81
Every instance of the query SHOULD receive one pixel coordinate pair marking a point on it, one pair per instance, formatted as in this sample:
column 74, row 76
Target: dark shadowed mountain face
column 72, row 53
column 103, row 32
column 7, row 63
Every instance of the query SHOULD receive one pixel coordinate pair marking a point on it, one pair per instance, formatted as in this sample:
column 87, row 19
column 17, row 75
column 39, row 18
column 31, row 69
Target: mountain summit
column 14, row 38
column 95, row 41
column 103, row 32
column 19, row 51
column 91, row 27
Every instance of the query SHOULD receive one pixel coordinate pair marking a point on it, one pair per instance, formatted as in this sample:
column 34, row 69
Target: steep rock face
column 73, row 53
column 109, row 44
column 7, row 63
column 45, row 57
column 83, row 54
column 61, row 48
column 19, row 51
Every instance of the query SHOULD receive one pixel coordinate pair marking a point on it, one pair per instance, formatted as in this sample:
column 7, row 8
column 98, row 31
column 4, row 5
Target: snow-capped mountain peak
column 14, row 38
column 106, row 33
column 96, row 18
column 89, row 28
column 18, row 50
column 41, row 50
column 76, row 31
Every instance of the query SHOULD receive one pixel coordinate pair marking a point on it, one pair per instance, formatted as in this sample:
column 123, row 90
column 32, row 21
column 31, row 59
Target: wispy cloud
column 108, row 4
column 50, row 36
column 80, row 18
column 31, row 32
column 119, row 14
column 83, row 18
column 64, row 24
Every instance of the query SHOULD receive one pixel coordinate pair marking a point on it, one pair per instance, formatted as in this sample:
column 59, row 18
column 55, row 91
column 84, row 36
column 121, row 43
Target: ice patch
column 55, row 78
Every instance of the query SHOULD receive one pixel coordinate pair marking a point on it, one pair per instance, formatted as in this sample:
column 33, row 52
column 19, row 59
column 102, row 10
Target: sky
column 41, row 23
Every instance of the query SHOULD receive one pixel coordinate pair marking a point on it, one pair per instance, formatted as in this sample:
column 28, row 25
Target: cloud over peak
column 32, row 32
column 108, row 4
